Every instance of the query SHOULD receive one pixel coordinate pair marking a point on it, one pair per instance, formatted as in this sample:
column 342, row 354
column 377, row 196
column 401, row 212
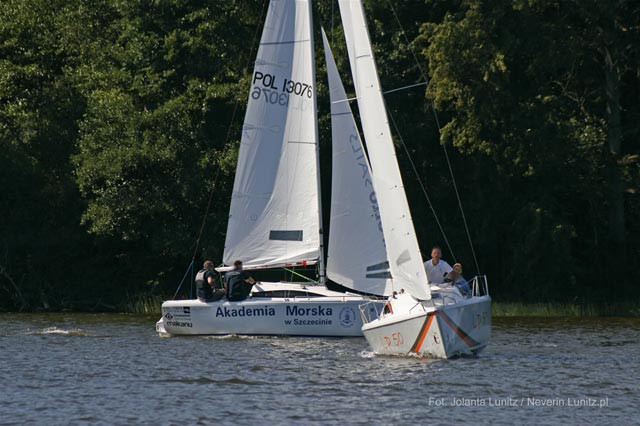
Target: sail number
column 266, row 86
column 297, row 88
column 270, row 96
column 396, row 339
column 480, row 320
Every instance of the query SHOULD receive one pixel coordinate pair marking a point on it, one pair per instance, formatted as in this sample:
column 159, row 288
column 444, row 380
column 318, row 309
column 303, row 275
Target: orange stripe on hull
column 423, row 333
column 464, row 336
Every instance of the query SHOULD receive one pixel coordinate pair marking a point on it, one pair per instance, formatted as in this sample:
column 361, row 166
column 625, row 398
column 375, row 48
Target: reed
column 144, row 304
column 622, row 309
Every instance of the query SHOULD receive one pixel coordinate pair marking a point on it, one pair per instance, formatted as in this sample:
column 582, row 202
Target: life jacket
column 236, row 286
column 203, row 289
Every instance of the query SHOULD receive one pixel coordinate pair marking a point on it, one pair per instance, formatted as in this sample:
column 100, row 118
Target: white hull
column 321, row 313
column 445, row 331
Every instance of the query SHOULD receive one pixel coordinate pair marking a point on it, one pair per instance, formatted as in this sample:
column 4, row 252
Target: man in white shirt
column 436, row 268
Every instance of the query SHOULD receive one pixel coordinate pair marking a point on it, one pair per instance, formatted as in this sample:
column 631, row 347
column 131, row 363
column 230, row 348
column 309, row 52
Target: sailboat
column 275, row 216
column 419, row 318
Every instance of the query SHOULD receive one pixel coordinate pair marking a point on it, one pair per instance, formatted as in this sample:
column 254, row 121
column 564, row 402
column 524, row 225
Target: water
column 114, row 369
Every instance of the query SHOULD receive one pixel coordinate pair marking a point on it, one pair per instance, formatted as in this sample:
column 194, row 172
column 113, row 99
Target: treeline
column 117, row 116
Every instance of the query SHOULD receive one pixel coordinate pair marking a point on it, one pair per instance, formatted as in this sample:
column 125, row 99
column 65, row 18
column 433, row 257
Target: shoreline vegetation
column 624, row 309
column 150, row 305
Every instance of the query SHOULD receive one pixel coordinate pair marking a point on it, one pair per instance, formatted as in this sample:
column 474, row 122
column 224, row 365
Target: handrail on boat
column 480, row 285
column 444, row 300
column 367, row 309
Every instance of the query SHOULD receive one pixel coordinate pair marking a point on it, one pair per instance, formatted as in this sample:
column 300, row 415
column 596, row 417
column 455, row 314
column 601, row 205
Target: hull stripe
column 423, row 333
column 461, row 333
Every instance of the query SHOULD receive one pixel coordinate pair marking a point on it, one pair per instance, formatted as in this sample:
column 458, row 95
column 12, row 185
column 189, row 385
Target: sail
column 405, row 260
column 274, row 218
column 357, row 258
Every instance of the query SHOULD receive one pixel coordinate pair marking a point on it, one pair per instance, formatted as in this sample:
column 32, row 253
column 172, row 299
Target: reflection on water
column 114, row 369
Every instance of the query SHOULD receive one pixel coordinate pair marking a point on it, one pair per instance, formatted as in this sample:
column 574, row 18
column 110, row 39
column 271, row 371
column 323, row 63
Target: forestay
column 357, row 257
column 405, row 260
column 274, row 214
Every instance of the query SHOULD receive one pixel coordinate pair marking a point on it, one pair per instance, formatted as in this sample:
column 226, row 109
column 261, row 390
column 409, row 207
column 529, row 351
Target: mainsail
column 405, row 260
column 274, row 217
column 357, row 257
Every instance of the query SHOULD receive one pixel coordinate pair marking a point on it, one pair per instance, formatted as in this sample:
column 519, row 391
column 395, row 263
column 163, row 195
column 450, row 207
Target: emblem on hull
column 347, row 317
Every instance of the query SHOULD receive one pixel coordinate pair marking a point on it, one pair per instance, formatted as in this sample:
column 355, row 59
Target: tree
column 522, row 85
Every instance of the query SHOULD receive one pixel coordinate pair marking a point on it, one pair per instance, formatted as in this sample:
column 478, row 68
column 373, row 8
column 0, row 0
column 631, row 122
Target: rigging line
column 424, row 83
column 233, row 115
column 189, row 268
column 424, row 190
column 299, row 275
column 464, row 218
column 204, row 218
column 444, row 148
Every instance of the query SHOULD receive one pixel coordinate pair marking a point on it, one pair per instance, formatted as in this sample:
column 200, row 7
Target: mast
column 321, row 265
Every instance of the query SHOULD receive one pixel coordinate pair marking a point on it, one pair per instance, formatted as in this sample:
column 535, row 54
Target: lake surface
column 114, row 369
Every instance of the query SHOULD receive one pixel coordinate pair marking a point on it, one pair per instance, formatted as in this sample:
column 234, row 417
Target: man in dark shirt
column 238, row 283
column 206, row 287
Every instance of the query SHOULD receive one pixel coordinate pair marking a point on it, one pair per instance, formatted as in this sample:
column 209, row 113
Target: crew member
column 456, row 278
column 238, row 283
column 206, row 286
column 436, row 268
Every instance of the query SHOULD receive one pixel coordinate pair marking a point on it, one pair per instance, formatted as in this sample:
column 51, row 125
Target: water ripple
column 59, row 331
column 208, row 380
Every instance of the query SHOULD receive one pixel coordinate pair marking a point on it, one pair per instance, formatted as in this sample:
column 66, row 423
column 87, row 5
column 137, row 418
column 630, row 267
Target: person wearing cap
column 456, row 278
column 238, row 283
column 436, row 268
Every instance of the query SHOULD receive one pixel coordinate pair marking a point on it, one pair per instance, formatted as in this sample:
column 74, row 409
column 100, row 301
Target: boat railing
column 441, row 299
column 370, row 311
column 480, row 285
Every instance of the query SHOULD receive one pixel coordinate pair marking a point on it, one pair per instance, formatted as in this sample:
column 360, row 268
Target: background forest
column 116, row 116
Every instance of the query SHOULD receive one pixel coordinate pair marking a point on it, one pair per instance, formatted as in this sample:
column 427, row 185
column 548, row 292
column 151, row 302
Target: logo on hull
column 347, row 317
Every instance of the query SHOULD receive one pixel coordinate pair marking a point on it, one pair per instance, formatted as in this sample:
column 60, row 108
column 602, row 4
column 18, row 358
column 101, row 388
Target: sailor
column 206, row 286
column 456, row 278
column 436, row 268
column 238, row 283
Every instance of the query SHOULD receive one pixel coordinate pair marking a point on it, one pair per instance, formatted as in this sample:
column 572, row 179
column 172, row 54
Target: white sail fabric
column 357, row 257
column 405, row 260
column 274, row 214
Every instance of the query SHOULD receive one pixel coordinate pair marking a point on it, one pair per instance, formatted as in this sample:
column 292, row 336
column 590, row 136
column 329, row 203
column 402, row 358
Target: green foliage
column 523, row 85
column 151, row 138
column 114, row 118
